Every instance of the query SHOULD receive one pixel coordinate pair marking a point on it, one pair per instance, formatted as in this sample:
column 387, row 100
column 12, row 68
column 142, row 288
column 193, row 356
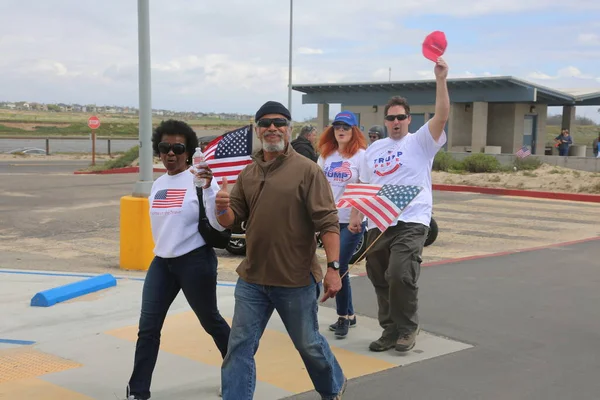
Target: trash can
column 577, row 151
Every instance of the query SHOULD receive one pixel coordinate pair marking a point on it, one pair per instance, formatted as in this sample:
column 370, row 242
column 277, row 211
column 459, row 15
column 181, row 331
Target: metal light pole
column 290, row 61
column 144, row 184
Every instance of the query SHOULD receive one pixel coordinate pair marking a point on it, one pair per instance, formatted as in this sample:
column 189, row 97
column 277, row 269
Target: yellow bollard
column 136, row 241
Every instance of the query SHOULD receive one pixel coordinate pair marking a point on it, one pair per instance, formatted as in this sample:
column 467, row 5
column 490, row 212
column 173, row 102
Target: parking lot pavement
column 83, row 348
column 71, row 223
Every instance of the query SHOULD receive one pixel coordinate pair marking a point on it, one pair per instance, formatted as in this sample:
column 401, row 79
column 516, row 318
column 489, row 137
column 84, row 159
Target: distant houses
column 94, row 109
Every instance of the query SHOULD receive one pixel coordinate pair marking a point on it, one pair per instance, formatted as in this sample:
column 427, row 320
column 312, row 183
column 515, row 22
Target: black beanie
column 272, row 107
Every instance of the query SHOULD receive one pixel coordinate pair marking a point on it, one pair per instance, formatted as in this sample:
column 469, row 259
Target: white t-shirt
column 406, row 161
column 341, row 171
column 174, row 214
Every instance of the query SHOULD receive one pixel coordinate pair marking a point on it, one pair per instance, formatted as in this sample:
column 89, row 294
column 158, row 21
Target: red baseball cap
column 434, row 45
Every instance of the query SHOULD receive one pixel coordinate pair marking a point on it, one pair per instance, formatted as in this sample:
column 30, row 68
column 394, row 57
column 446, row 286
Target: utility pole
column 144, row 184
column 290, row 60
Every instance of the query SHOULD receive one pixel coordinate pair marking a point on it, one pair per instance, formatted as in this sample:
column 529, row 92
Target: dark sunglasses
column 400, row 117
column 278, row 122
column 165, row 148
column 342, row 126
column 373, row 136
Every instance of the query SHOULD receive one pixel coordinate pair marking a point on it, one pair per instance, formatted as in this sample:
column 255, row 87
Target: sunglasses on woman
column 165, row 148
column 342, row 126
column 400, row 117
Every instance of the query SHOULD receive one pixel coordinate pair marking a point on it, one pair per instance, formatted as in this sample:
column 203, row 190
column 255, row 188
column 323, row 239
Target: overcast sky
column 232, row 55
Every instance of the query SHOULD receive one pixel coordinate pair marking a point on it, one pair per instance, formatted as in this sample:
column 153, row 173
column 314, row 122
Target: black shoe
column 341, row 330
column 129, row 396
column 333, row 326
column 383, row 343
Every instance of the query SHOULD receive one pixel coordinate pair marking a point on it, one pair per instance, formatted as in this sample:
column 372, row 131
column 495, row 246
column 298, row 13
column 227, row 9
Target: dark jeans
column 348, row 243
column 393, row 266
column 196, row 274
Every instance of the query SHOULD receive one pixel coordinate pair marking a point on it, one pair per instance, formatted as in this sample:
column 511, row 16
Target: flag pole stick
column 359, row 259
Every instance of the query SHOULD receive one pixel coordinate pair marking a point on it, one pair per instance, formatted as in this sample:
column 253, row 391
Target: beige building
column 493, row 114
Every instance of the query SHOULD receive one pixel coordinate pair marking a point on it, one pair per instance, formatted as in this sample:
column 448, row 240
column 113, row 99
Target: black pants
column 394, row 266
column 196, row 274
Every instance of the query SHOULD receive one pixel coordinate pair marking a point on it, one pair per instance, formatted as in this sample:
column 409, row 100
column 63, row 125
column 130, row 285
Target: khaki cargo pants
column 393, row 266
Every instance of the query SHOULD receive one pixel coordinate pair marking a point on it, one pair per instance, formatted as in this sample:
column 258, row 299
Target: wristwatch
column 334, row 264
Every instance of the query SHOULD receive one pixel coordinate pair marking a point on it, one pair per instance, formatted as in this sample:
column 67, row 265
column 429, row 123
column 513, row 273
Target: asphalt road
column 37, row 165
column 533, row 318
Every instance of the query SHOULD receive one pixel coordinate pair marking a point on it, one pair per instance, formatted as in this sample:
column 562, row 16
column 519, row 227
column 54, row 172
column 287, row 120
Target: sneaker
column 408, row 340
column 129, row 396
column 342, row 327
column 333, row 326
column 342, row 390
column 383, row 343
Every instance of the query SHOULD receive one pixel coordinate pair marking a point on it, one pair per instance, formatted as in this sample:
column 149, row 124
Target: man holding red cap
column 394, row 260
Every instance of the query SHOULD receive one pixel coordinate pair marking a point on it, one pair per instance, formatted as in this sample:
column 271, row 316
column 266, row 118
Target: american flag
column 523, row 152
column 228, row 154
column 382, row 204
column 169, row 198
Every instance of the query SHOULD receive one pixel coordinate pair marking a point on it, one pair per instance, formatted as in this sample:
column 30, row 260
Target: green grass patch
column 124, row 160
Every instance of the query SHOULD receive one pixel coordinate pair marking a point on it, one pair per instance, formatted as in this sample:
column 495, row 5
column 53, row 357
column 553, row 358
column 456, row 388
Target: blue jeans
column 297, row 307
column 196, row 274
column 348, row 243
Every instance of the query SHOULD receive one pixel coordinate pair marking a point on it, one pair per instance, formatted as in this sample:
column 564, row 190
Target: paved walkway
column 83, row 348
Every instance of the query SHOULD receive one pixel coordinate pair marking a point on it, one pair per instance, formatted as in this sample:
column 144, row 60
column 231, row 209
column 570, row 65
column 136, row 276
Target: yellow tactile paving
column 26, row 362
column 277, row 361
column 33, row 388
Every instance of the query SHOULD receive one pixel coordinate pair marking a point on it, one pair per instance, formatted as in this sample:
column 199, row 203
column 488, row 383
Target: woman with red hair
column 342, row 148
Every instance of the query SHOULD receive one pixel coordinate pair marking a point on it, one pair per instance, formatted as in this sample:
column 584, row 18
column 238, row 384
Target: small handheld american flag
column 523, row 152
column 229, row 154
column 382, row 204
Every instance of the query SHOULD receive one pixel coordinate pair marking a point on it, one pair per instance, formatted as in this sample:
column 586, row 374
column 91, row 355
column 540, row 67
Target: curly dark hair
column 174, row 127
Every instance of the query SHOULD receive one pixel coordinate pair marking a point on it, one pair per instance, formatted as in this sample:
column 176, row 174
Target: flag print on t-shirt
column 339, row 171
column 387, row 162
column 169, row 198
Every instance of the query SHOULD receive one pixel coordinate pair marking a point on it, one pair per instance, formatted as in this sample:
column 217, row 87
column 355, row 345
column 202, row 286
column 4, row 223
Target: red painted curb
column 502, row 253
column 126, row 170
column 593, row 198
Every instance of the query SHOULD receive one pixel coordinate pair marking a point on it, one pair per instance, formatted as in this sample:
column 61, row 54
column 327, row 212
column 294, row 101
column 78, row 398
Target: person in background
column 563, row 141
column 285, row 199
column 305, row 142
column 376, row 132
column 183, row 260
column 342, row 148
column 596, row 146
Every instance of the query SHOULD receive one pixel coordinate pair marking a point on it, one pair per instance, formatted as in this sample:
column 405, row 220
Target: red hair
column 328, row 144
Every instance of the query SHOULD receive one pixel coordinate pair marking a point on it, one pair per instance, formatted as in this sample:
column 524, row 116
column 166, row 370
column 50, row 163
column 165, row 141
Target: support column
column 568, row 118
column 479, row 127
column 322, row 116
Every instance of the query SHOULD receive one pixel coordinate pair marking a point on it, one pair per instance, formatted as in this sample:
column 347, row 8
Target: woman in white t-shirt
column 183, row 260
column 342, row 148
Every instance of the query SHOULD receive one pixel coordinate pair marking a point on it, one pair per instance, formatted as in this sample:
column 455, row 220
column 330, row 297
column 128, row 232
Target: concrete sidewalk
column 83, row 348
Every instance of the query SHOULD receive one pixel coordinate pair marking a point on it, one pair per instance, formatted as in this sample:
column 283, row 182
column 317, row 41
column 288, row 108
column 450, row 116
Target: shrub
column 443, row 162
column 122, row 161
column 480, row 162
column 527, row 164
